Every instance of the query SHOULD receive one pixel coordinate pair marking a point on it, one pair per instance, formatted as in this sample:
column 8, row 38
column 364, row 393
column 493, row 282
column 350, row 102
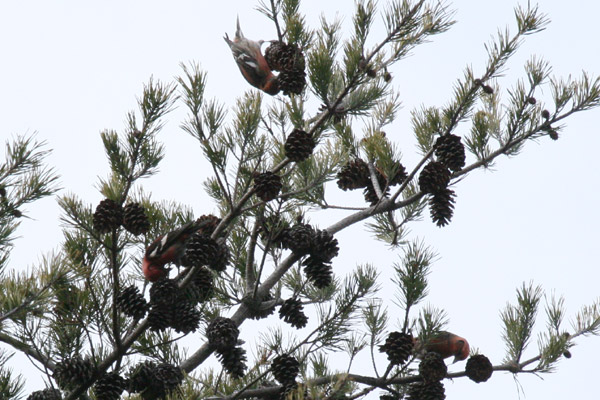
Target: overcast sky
column 71, row 69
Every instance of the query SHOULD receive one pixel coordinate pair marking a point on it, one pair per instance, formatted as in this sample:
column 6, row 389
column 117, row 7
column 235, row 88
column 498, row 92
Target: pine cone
column 233, row 360
column 73, row 371
column 221, row 256
column 160, row 317
column 400, row 176
column 109, row 387
column 201, row 287
column 281, row 56
column 318, row 271
column 325, row 246
column 210, row 228
column 434, row 177
column 201, row 249
column 222, row 333
column 371, row 194
column 46, row 394
column 295, row 391
column 108, row 216
column 479, row 368
column 273, row 54
column 299, row 238
column 292, row 58
column 164, row 292
column 441, row 207
column 292, row 81
column 168, row 376
column 285, row 368
column 432, row 367
column 135, row 219
column 186, row 318
column 299, row 145
column 140, row 376
column 398, row 347
column 267, row 185
column 450, row 151
column 155, row 381
column 353, row 175
column 546, row 114
column 132, row 303
column 291, row 312
column 487, row 89
column 426, row 391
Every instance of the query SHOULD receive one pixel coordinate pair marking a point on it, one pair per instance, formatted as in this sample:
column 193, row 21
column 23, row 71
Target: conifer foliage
column 97, row 328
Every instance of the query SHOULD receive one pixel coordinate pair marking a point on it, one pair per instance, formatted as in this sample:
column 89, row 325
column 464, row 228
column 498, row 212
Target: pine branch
column 347, row 307
column 28, row 301
column 27, row 349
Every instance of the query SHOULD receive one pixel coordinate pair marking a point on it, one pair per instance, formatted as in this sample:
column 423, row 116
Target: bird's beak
column 456, row 359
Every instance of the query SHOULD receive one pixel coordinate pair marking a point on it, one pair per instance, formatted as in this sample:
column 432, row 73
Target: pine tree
column 97, row 327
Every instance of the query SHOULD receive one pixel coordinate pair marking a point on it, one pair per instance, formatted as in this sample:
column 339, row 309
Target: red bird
column 252, row 63
column 167, row 249
column 446, row 344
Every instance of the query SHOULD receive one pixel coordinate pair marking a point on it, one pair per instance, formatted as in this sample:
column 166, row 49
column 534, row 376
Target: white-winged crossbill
column 446, row 344
column 252, row 63
column 168, row 248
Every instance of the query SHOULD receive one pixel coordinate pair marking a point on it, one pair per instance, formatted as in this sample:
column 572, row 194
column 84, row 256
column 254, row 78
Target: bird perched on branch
column 446, row 344
column 252, row 63
column 168, row 248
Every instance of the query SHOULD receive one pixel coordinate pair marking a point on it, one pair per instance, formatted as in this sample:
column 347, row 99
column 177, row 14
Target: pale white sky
column 71, row 69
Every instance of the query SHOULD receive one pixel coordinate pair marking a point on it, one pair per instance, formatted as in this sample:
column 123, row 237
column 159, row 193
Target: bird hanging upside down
column 252, row 63
column 168, row 248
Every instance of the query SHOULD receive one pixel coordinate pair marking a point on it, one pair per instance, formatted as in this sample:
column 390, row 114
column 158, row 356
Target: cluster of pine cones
column 222, row 334
column 289, row 60
column 433, row 369
column 171, row 307
column 318, row 245
column 109, row 215
column 433, row 180
column 399, row 348
column 201, row 249
column 151, row 380
column 355, row 175
column 298, row 147
column 174, row 308
column 435, row 177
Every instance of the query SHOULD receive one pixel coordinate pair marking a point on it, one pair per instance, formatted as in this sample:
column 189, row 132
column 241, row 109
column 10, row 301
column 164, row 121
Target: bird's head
column 462, row 350
column 152, row 271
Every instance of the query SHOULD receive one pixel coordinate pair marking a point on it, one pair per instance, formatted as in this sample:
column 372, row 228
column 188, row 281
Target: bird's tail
column 238, row 31
column 226, row 37
column 238, row 34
